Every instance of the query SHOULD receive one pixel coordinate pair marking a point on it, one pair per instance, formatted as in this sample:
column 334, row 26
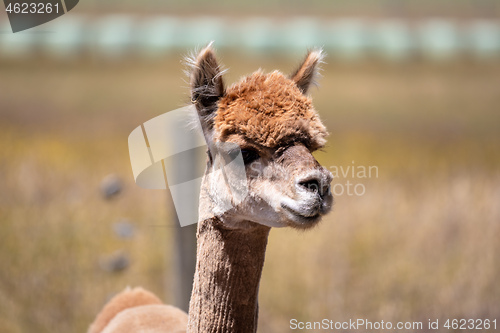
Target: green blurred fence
column 347, row 38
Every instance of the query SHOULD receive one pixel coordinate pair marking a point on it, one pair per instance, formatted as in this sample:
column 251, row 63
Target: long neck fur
column 226, row 282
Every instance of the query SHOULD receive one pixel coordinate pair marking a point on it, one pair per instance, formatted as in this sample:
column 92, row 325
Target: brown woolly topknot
column 270, row 110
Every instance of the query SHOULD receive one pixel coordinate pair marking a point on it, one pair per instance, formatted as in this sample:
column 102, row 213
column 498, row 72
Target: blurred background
column 409, row 87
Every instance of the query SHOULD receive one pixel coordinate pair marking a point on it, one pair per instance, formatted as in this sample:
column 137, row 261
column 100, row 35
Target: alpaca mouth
column 302, row 217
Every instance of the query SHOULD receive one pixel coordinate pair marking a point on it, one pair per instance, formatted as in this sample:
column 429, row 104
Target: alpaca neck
column 226, row 282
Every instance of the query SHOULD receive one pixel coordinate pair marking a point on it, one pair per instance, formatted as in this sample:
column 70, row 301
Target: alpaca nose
column 311, row 185
column 316, row 182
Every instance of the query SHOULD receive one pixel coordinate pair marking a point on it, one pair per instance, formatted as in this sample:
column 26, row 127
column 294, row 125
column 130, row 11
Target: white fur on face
column 274, row 199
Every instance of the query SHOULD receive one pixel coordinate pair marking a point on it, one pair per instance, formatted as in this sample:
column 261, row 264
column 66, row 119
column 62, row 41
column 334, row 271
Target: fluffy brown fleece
column 154, row 318
column 270, row 110
column 138, row 310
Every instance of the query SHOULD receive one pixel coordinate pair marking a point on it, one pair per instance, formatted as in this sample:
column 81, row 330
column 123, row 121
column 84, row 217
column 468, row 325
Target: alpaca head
column 272, row 121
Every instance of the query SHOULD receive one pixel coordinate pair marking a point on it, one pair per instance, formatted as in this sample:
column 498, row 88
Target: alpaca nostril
column 311, row 185
column 315, row 182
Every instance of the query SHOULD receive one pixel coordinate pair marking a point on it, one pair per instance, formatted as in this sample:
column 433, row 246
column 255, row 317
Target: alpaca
column 138, row 310
column 272, row 120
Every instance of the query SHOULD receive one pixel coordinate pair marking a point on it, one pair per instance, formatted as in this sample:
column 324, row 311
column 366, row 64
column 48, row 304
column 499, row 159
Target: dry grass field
column 420, row 243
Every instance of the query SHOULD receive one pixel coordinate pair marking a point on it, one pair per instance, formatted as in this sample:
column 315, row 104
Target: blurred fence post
column 184, row 237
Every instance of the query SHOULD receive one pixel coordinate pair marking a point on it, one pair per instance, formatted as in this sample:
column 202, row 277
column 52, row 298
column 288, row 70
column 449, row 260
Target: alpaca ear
column 308, row 71
column 207, row 86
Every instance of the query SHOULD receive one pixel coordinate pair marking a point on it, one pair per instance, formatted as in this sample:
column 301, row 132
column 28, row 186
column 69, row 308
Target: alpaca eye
column 249, row 155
